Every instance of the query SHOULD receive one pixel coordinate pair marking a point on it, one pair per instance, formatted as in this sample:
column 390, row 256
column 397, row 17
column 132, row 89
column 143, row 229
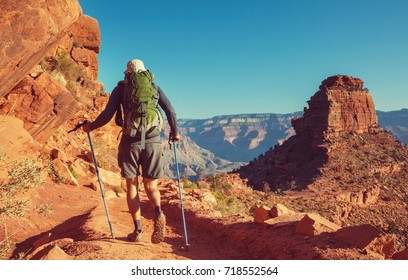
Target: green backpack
column 141, row 112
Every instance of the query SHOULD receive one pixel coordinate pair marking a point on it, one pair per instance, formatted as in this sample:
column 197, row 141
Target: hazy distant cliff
column 239, row 137
column 222, row 143
column 396, row 122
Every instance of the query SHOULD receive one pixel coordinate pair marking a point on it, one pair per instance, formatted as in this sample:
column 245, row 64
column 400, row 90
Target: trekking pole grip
column 78, row 126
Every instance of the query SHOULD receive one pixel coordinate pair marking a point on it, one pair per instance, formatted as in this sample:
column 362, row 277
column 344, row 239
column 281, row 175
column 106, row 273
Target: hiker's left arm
column 168, row 109
column 106, row 115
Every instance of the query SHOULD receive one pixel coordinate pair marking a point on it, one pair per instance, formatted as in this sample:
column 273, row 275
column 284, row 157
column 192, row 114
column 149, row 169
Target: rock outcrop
column 341, row 104
column 27, row 32
column 42, row 103
column 369, row 238
column 314, row 224
column 46, row 94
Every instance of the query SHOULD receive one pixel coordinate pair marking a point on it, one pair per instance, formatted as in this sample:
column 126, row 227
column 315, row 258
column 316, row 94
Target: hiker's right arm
column 168, row 109
column 106, row 115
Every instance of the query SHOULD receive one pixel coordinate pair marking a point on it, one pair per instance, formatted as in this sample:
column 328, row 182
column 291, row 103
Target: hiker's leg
column 128, row 160
column 152, row 191
column 133, row 201
column 132, row 198
column 159, row 229
column 152, row 168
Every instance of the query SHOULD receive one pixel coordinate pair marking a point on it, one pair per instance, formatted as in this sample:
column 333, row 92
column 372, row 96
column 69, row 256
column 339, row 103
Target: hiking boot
column 159, row 230
column 135, row 236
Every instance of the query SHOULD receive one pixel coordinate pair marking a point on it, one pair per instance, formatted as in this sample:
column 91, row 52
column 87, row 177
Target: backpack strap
column 119, row 116
column 143, row 127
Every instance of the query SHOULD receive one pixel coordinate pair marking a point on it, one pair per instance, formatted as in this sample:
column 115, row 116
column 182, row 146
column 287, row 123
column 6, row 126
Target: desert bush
column 226, row 203
column 5, row 246
column 189, row 185
column 218, row 182
column 59, row 77
column 45, row 209
column 64, row 70
column 68, row 67
column 23, row 175
column 76, row 44
column 229, row 206
column 54, row 174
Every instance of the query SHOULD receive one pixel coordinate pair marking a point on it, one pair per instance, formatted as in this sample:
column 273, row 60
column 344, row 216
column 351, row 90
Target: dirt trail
column 173, row 248
column 79, row 226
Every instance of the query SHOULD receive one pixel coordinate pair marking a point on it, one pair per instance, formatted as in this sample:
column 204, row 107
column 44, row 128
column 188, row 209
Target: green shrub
column 229, row 206
column 45, row 209
column 68, row 67
column 56, row 177
column 218, row 182
column 188, row 184
column 64, row 70
column 5, row 246
column 222, row 191
column 23, row 175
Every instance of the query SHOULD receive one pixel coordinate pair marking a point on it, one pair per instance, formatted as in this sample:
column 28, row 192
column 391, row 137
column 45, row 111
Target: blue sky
column 218, row 57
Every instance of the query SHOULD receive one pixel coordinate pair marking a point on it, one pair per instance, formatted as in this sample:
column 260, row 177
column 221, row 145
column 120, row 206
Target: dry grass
column 23, row 175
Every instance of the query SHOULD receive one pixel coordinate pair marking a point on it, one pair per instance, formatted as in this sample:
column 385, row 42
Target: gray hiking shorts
column 130, row 157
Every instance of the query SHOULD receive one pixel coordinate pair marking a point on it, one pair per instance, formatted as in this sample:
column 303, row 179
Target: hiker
column 140, row 144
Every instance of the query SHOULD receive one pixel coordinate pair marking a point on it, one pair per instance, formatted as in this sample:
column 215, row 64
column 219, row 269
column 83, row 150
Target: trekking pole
column 181, row 194
column 97, row 174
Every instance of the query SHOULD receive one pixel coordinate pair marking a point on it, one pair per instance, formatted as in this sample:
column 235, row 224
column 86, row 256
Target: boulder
column 369, row 238
column 64, row 173
column 285, row 220
column 313, row 224
column 58, row 154
column 51, row 252
column 280, row 210
column 109, row 177
column 14, row 139
column 109, row 194
column 261, row 214
column 79, row 167
column 88, row 156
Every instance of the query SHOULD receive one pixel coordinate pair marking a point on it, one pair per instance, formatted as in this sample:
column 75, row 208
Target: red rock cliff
column 28, row 29
column 42, row 96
